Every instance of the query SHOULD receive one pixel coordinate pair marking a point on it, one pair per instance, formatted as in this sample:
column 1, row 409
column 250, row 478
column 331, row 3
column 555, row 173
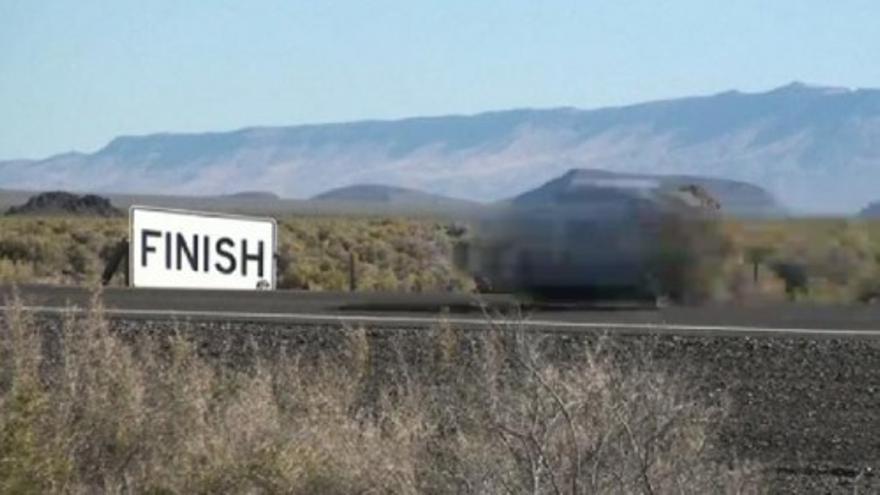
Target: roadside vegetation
column 84, row 409
column 59, row 250
column 314, row 253
column 388, row 254
column 812, row 260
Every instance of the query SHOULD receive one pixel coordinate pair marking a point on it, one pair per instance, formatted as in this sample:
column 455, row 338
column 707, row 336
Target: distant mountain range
column 815, row 148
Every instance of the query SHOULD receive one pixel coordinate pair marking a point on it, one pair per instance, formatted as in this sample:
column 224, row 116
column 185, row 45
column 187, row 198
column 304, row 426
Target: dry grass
column 447, row 411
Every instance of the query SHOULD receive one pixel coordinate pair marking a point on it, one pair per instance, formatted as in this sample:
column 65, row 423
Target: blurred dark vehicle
column 583, row 239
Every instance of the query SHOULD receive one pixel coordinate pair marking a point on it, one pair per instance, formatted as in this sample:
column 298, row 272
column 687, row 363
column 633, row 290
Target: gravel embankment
column 807, row 408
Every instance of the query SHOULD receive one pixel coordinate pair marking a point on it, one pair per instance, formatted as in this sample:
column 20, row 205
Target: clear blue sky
column 76, row 73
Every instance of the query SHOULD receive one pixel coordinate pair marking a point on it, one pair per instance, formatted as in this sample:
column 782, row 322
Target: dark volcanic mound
column 65, row 203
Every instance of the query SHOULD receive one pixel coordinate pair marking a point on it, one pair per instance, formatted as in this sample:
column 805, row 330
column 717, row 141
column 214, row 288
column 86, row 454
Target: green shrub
column 389, row 255
column 827, row 260
column 56, row 250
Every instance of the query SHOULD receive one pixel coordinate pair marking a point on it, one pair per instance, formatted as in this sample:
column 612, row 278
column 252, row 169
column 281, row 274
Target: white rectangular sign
column 195, row 250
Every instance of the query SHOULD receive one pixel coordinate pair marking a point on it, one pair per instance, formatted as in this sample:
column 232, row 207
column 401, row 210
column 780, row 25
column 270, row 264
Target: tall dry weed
column 85, row 410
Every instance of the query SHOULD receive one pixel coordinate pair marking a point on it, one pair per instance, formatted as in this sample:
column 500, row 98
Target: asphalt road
column 377, row 309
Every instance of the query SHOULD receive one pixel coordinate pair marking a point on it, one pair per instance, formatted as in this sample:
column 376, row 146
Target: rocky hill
column 388, row 195
column 64, row 203
column 736, row 198
column 815, row 148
